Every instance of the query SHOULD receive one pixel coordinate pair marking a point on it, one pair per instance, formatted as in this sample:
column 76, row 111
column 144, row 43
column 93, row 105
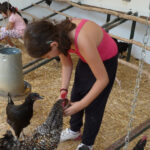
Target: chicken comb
column 65, row 103
column 144, row 138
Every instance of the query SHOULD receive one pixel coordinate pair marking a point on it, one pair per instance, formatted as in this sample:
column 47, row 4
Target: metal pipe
column 115, row 24
column 45, row 61
column 32, row 5
column 37, row 60
column 108, row 18
column 32, row 62
column 115, row 20
column 109, row 23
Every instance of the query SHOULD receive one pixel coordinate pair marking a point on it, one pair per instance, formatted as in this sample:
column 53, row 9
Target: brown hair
column 38, row 34
column 5, row 6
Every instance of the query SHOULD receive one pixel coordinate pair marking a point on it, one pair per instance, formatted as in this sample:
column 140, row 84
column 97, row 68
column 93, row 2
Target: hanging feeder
column 11, row 75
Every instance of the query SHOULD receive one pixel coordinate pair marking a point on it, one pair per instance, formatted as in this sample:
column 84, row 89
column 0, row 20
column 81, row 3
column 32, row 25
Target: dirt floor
column 46, row 81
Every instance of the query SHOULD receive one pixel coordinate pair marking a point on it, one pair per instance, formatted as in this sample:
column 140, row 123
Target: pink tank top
column 107, row 48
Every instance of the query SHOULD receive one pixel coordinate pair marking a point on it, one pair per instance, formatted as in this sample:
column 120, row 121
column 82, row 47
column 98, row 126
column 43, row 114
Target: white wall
column 140, row 6
column 122, row 30
column 20, row 4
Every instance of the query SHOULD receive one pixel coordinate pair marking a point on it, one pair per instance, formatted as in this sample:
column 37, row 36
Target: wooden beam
column 108, row 11
column 131, row 41
column 135, row 67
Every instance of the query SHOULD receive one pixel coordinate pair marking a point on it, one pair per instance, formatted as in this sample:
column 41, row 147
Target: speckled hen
column 45, row 136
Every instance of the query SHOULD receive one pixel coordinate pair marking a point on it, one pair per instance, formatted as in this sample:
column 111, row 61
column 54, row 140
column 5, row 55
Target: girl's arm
column 10, row 26
column 66, row 70
column 88, row 50
column 92, row 57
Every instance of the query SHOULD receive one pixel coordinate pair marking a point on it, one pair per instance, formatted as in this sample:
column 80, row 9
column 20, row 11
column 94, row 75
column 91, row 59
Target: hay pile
column 46, row 80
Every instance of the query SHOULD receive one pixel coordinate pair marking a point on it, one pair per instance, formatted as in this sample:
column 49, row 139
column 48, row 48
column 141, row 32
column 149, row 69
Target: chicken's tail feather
column 10, row 99
column 48, row 2
column 8, row 141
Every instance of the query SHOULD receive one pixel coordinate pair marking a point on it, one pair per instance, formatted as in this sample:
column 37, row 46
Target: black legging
column 84, row 79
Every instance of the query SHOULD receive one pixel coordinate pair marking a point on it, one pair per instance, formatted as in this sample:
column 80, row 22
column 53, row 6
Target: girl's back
column 18, row 21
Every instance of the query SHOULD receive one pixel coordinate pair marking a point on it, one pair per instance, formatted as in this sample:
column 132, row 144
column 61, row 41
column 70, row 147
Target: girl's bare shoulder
column 91, row 31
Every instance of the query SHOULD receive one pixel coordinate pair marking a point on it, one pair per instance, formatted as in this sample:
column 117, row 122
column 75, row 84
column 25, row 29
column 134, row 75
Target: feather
column 48, row 2
column 19, row 116
column 45, row 137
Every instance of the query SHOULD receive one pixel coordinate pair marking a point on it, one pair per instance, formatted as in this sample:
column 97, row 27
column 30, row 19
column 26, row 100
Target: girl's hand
column 10, row 26
column 74, row 108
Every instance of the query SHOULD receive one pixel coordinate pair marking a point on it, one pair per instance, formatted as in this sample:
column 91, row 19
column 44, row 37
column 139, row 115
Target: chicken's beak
column 40, row 97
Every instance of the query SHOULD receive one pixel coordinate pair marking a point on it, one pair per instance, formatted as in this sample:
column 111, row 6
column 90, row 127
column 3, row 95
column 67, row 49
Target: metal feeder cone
column 11, row 75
